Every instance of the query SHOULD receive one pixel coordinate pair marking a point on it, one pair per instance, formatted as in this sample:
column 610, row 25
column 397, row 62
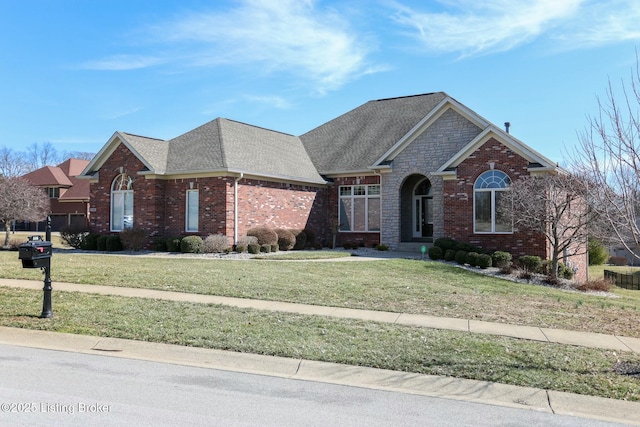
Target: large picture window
column 192, row 210
column 487, row 198
column 359, row 208
column 121, row 202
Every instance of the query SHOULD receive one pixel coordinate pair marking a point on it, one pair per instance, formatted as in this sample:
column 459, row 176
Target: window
column 359, row 208
column 487, row 194
column 121, row 202
column 192, row 210
column 53, row 192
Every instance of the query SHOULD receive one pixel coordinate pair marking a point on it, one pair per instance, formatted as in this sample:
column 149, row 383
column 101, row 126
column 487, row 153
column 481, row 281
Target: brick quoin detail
column 458, row 202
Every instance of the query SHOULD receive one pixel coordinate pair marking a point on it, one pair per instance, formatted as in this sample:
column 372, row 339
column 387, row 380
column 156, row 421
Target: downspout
column 375, row 172
column 235, row 208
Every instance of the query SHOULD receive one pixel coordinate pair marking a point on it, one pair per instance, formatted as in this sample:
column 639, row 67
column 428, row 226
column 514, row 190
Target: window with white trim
column 192, row 210
column 487, row 197
column 122, row 202
column 359, row 208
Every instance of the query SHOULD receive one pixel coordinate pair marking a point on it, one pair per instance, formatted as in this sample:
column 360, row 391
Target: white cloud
column 276, row 102
column 122, row 62
column 472, row 27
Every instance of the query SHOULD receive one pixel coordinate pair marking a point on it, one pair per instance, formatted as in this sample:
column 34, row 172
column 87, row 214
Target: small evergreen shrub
column 350, row 245
column 215, row 243
column 160, row 244
column 253, row 248
column 484, row 261
column 311, row 237
column 90, row 242
column 265, row 236
column 450, row 255
column 275, row 248
column 74, row 235
column 445, row 243
column 467, row 247
column 173, row 244
column 301, row 239
column 265, row 248
column 472, row 258
column 530, row 263
column 113, row 243
column 501, row 259
column 192, row 245
column 133, row 239
column 101, row 243
column 597, row 252
column 240, row 249
column 461, row 257
column 286, row 239
column 382, row 247
column 435, row 253
column 565, row 272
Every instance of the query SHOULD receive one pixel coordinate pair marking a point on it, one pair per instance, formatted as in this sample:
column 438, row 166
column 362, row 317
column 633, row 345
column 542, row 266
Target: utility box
column 35, row 254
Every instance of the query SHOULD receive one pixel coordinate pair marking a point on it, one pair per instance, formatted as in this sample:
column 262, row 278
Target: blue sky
column 73, row 72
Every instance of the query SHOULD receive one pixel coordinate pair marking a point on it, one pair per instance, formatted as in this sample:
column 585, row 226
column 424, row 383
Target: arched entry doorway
column 422, row 210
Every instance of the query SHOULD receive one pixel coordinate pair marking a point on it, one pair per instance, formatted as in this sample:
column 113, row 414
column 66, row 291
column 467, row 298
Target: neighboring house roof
column 64, row 176
column 357, row 139
column 220, row 145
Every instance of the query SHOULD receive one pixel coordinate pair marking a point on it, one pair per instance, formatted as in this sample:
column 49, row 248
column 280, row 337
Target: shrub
column 101, row 243
column 215, row 243
column 445, row 243
column 253, row 248
column 133, row 239
column 192, row 245
column 565, row 272
column 435, row 253
column 450, row 255
column 597, row 252
column 265, row 236
column 14, row 244
column 265, row 248
column 501, row 259
column 382, row 247
column 484, row 261
column 247, row 240
column 301, row 239
column 173, row 244
column 350, row 245
column 74, row 235
column 618, row 260
column 472, row 258
column 113, row 243
column 160, row 244
column 467, row 247
column 286, row 239
column 461, row 257
column 311, row 237
column 90, row 242
column 240, row 249
column 603, row 285
column 530, row 263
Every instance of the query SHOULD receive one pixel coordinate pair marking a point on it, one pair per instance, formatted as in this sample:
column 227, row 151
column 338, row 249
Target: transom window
column 122, row 202
column 359, row 208
column 487, row 194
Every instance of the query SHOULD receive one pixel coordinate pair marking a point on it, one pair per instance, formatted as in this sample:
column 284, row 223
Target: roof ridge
column 223, row 154
column 406, row 96
column 257, row 127
column 141, row 136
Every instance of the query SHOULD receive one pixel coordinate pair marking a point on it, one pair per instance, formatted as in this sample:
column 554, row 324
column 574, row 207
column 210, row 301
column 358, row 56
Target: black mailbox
column 35, row 254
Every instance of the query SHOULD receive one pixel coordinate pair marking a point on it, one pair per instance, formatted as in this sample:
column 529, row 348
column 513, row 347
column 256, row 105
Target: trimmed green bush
column 160, row 244
column 275, row 248
column 501, row 259
column 435, row 253
column 382, row 247
column 286, row 239
column 101, row 243
column 461, row 257
column 450, row 255
column 564, row 271
column 240, row 249
column 253, row 248
column 472, row 258
column 113, row 243
column 598, row 253
column 484, row 261
column 192, row 245
column 301, row 239
column 265, row 236
column 265, row 248
column 530, row 263
column 173, row 244
column 133, row 239
column 90, row 242
column 445, row 243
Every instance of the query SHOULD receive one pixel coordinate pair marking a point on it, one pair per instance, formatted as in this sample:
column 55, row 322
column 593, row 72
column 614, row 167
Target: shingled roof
column 357, row 139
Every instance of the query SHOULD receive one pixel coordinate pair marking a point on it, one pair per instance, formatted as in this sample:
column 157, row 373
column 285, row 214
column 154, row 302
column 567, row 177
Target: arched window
column 487, row 197
column 121, row 202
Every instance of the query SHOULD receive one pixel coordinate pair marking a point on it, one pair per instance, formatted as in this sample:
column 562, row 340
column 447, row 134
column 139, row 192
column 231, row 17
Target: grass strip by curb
column 473, row 356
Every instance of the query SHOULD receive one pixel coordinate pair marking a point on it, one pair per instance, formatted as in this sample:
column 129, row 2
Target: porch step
column 414, row 247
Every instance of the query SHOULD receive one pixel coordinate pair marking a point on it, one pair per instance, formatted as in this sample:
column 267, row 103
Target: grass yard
column 397, row 285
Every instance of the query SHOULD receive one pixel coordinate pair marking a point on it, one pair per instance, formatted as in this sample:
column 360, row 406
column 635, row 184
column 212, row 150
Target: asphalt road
column 46, row 387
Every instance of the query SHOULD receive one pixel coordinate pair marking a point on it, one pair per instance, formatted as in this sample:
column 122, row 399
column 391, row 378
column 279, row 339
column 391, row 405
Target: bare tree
column 21, row 201
column 83, row 155
column 11, row 163
column 609, row 158
column 554, row 206
column 40, row 155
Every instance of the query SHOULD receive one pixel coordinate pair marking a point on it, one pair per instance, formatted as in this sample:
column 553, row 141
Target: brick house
column 400, row 171
column 69, row 196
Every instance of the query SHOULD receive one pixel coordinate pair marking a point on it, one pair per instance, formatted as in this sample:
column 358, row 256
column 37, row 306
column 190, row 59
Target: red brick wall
column 369, row 238
column 458, row 202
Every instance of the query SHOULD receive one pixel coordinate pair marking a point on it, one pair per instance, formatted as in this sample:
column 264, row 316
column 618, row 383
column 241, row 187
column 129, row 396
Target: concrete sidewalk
column 584, row 339
column 445, row 387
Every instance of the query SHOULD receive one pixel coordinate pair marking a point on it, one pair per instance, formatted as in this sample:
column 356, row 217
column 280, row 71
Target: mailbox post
column 36, row 253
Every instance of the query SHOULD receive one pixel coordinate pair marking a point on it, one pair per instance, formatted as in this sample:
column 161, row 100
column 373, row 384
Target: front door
column 423, row 216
